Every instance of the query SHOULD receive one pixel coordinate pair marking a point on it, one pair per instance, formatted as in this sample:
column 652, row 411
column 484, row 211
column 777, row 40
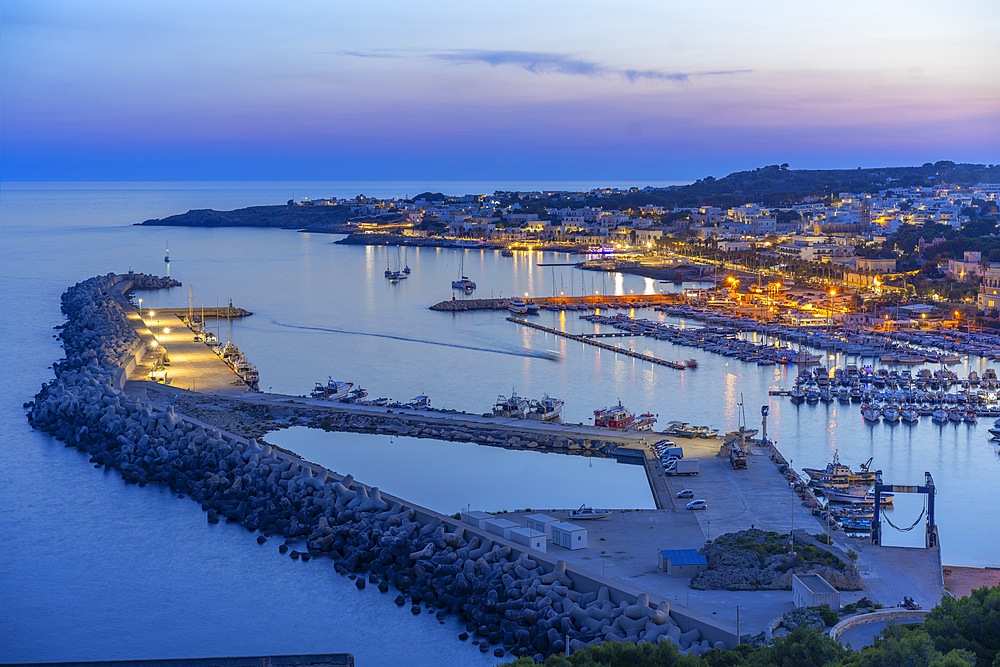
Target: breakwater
column 507, row 596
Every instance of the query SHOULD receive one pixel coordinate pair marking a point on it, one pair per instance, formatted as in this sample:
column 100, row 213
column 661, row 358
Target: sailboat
column 166, row 257
column 463, row 281
column 406, row 266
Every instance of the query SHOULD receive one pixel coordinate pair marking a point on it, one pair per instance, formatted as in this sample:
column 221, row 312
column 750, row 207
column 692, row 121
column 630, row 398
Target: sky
column 639, row 90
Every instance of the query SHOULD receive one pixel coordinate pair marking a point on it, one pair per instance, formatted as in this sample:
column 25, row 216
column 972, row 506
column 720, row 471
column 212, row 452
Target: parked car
column 697, row 505
column 685, row 493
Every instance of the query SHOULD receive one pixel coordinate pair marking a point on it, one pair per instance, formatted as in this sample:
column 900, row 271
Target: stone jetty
column 519, row 603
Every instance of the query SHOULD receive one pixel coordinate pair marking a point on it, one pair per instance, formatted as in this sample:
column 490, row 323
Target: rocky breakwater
column 506, row 596
column 510, row 437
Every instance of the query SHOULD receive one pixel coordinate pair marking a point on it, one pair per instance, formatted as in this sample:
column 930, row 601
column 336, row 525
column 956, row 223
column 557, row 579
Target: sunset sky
column 646, row 90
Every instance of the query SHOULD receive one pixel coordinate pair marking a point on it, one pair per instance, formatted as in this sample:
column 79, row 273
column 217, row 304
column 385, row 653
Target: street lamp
column 140, row 308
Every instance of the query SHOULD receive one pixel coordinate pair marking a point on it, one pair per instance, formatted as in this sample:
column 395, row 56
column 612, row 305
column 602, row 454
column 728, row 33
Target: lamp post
column 140, row 308
column 833, row 293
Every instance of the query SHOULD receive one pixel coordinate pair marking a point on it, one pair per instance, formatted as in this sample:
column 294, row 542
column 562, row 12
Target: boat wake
column 514, row 352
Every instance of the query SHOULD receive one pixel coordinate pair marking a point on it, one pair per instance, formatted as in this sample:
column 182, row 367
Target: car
column 697, row 505
column 685, row 493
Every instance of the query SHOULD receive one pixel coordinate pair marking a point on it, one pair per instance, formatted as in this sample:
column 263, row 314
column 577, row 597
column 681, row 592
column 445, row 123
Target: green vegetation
column 777, row 185
column 957, row 633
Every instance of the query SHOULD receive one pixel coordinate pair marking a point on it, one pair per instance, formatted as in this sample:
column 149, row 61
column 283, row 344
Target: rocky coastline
column 512, row 601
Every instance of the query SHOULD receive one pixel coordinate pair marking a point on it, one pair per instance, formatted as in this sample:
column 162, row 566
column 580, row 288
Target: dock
column 591, row 302
column 215, row 312
column 589, row 340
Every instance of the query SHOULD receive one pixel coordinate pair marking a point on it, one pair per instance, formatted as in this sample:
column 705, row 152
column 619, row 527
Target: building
column 477, row 518
column 812, row 590
column 542, row 523
column 532, row 539
column 569, row 535
column 967, row 269
column 989, row 291
column 500, row 527
column 682, row 562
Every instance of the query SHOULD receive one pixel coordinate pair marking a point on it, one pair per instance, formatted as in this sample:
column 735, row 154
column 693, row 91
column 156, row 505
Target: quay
column 589, row 340
column 567, row 302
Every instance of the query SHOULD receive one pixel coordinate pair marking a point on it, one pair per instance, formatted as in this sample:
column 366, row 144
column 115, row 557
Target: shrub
column 829, row 616
column 853, row 555
column 850, row 609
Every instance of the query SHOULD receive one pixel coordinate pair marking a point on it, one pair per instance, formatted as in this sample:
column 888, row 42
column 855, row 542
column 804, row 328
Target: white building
column 569, row 535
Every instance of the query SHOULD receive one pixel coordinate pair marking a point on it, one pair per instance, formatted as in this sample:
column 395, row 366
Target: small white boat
column 588, row 513
column 910, row 416
column 333, row 390
column 871, row 415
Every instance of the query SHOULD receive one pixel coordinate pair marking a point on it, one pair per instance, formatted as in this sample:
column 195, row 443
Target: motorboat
column 871, row 415
column 585, row 513
column 547, row 409
column 421, row 402
column 333, row 390
column 517, row 306
column 515, row 406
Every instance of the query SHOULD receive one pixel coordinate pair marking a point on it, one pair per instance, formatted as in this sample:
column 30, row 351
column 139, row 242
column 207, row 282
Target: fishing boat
column 859, row 494
column 515, row 406
column 584, row 513
column 333, row 390
column 644, row 422
column 616, row 417
column 547, row 409
column 837, row 470
column 421, row 402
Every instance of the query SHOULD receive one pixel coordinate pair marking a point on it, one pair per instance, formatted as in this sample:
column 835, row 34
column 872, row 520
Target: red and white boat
column 617, row 417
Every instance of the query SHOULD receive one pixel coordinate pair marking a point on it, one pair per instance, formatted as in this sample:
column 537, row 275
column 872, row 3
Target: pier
column 589, row 340
column 565, row 302
column 215, row 312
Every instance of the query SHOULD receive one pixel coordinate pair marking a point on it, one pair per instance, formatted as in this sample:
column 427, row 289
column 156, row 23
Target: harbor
column 759, row 495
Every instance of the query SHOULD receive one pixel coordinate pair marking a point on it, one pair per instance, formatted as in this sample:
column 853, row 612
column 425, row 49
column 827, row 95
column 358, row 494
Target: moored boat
column 333, row 390
column 616, row 417
column 547, row 409
column 514, row 406
column 584, row 513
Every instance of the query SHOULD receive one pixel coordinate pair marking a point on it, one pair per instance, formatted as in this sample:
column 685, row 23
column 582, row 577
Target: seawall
column 521, row 600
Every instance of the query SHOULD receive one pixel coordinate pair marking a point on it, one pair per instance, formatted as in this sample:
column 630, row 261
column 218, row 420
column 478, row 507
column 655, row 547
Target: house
column 812, row 590
column 500, row 527
column 967, row 269
column 476, row 518
column 682, row 562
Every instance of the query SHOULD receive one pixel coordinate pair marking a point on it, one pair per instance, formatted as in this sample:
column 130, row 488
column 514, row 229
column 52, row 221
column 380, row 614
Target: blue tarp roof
column 683, row 557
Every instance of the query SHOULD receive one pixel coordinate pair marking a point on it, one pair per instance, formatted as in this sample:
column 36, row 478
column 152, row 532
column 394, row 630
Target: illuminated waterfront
column 325, row 310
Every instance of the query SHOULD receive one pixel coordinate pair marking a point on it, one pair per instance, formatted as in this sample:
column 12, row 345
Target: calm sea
column 94, row 569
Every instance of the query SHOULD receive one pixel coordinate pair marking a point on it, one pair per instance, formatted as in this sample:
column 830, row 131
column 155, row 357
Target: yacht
column 517, row 306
